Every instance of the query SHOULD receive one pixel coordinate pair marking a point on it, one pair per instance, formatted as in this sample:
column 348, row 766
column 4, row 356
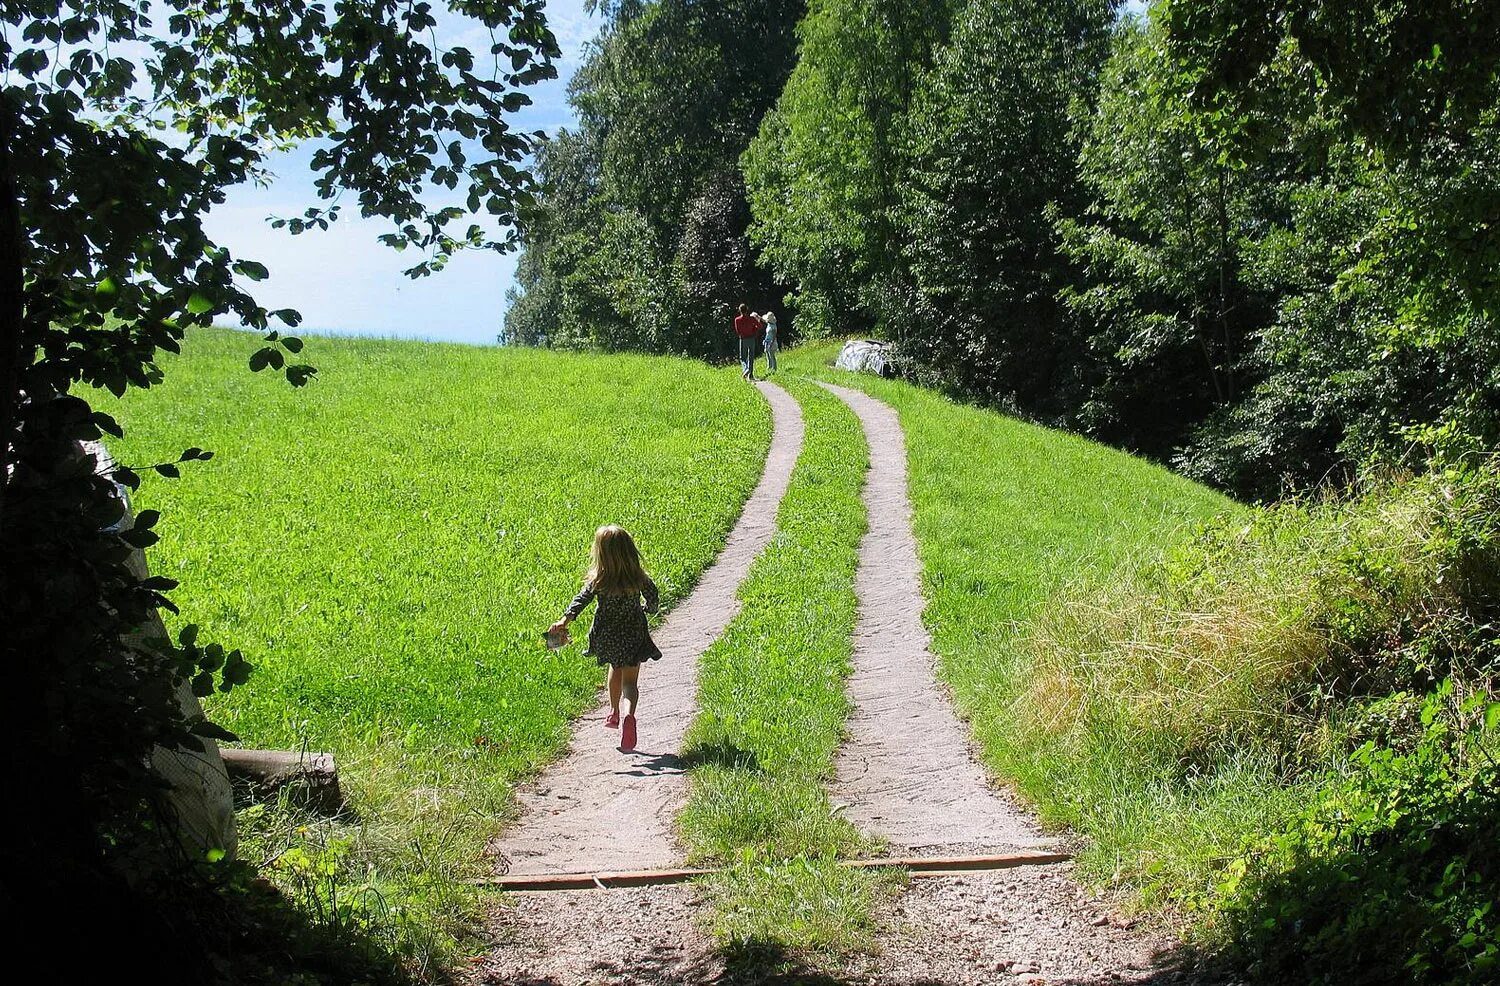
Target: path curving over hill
column 598, row 809
column 906, row 771
column 602, row 810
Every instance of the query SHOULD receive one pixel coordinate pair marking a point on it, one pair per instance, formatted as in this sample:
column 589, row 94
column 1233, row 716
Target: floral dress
column 618, row 636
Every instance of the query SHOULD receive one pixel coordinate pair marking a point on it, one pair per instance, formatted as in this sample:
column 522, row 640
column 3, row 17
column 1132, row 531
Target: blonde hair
column 614, row 563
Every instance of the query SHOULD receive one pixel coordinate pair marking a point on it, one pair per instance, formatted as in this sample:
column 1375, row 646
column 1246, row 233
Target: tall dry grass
column 1204, row 693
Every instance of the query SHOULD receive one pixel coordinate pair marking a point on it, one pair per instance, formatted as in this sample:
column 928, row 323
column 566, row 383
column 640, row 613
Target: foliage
column 1164, row 308
column 990, row 156
column 1390, row 875
column 822, row 174
column 637, row 241
column 121, row 124
column 1269, row 300
column 1258, row 675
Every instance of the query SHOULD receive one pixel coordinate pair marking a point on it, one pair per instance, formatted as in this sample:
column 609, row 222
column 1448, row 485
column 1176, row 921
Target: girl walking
column 618, row 636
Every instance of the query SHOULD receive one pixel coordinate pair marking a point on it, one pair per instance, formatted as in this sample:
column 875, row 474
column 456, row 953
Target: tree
column 121, row 124
column 1163, row 304
column 823, row 171
column 667, row 100
column 991, row 155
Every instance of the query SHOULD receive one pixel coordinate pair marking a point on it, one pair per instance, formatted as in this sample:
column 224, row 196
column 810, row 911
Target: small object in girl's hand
column 556, row 638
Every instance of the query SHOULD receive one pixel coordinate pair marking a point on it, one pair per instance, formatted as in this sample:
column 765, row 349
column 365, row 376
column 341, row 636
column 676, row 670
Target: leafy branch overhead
column 122, row 124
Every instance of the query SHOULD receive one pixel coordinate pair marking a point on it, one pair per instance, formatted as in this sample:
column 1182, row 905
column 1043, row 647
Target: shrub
column 1392, row 874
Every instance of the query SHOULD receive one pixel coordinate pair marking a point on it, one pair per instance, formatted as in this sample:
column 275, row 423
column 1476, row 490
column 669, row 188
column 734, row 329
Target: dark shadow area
column 722, row 754
column 232, row 929
column 644, row 763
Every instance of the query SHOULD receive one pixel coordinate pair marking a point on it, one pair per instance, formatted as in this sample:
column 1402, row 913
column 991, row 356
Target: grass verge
column 1280, row 720
column 1009, row 516
column 385, row 546
column 772, row 711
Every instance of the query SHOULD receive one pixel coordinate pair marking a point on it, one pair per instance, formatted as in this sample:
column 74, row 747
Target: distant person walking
column 769, row 320
column 618, row 636
column 747, row 327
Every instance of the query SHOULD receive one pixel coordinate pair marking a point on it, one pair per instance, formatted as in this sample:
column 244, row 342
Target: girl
column 618, row 636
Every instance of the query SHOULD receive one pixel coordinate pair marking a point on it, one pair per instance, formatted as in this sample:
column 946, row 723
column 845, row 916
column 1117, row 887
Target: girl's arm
column 580, row 601
column 653, row 598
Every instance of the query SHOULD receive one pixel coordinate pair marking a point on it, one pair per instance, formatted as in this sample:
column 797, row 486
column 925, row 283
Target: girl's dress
column 618, row 635
column 771, row 343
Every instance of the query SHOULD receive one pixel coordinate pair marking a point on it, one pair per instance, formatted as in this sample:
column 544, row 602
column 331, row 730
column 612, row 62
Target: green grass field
column 1009, row 519
column 387, row 544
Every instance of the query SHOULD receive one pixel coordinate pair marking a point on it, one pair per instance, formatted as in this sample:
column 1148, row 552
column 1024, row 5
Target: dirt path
column 907, row 772
column 598, row 809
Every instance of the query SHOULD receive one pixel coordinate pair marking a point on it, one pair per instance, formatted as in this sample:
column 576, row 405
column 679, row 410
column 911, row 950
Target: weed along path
column 599, row 810
column 907, row 774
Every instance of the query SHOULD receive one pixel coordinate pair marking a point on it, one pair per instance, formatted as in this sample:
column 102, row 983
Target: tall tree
column 670, row 95
column 1163, row 306
column 992, row 152
column 121, row 125
column 823, row 172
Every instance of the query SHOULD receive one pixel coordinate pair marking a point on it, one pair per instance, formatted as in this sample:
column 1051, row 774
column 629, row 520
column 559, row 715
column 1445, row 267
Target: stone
column 867, row 356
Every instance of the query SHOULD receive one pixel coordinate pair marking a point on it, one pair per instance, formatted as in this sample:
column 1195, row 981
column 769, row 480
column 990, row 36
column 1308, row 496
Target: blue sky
column 343, row 280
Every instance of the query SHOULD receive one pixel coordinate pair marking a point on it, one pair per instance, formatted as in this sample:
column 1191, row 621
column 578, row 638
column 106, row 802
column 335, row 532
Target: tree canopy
column 1254, row 240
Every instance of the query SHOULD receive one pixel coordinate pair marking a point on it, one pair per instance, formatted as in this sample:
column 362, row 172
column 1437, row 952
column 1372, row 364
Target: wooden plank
column 919, row 866
column 590, row 881
column 953, row 864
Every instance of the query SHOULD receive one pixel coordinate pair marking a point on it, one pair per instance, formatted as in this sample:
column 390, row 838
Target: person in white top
column 769, row 318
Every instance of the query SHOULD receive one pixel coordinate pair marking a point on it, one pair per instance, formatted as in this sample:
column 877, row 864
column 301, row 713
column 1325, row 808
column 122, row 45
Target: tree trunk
column 12, row 308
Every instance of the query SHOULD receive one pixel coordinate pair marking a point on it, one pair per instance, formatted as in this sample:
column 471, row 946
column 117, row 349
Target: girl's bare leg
column 615, row 683
column 630, row 688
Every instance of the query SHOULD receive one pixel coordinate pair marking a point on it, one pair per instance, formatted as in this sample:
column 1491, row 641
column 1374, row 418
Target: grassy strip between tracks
column 772, row 714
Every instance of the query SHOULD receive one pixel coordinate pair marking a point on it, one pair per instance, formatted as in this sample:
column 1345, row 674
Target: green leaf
column 107, row 424
column 188, row 635
column 199, row 303
column 106, row 287
column 146, row 519
column 252, row 270
column 139, row 538
column 212, row 730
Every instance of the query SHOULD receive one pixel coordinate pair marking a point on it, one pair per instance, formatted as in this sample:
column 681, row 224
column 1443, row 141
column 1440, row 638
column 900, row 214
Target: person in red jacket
column 747, row 326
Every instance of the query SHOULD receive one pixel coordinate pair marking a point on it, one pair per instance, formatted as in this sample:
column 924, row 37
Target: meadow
column 387, row 544
column 1014, row 522
column 1276, row 725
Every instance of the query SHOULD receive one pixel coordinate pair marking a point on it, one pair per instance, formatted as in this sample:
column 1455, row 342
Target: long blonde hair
column 614, row 563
